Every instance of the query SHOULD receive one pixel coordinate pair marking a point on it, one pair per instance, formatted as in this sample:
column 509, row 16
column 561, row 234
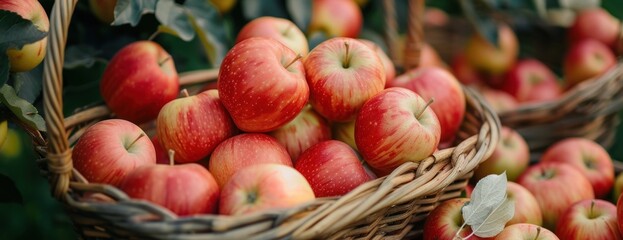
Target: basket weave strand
column 391, row 207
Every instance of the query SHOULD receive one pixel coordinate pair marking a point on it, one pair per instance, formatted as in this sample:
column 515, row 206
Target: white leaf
column 488, row 211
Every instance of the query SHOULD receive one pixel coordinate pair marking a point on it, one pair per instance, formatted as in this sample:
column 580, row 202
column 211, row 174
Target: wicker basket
column 394, row 206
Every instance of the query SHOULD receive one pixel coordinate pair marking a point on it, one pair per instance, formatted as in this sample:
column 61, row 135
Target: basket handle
column 58, row 150
column 415, row 32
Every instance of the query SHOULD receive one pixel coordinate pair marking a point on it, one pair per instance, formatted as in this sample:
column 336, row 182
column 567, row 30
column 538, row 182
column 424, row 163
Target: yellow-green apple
column 185, row 189
column 388, row 65
column 332, row 168
column 344, row 132
column 12, row 147
column 162, row 156
column 556, row 186
column 192, row 126
column 464, row 72
column 511, row 155
column 307, row 129
column 438, row 84
column 280, row 29
column 530, row 81
column 335, row 18
column 262, row 84
column 111, row 149
column 264, row 186
column 244, row 150
column 489, row 58
column 396, row 126
column 499, row 100
column 31, row 54
column 4, row 129
column 617, row 189
column 342, row 74
column 589, row 219
column 224, row 6
column 445, row 221
column 139, row 79
column 527, row 209
column 595, row 23
column 104, row 10
column 586, row 59
column 522, row 231
column 590, row 158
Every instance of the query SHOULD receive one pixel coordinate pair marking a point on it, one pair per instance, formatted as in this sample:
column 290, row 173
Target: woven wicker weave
column 391, row 207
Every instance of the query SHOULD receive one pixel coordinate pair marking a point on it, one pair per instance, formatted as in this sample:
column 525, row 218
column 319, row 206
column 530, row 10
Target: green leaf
column 131, row 11
column 16, row 32
column 488, row 210
column 80, row 55
column 10, row 193
column 25, row 111
column 252, row 9
column 210, row 28
column 300, row 10
column 28, row 84
column 478, row 14
column 175, row 18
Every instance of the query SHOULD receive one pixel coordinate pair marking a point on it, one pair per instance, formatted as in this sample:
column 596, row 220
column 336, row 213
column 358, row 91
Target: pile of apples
column 283, row 125
column 508, row 82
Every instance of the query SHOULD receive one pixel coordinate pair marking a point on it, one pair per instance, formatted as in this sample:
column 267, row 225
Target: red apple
column 445, row 221
column 464, row 72
column 332, row 168
column 193, row 126
column 244, row 150
column 511, row 155
column 280, row 29
column 522, row 231
column 30, row 55
column 185, row 189
column 499, row 100
column 342, row 74
column 110, row 149
column 590, row 158
column 264, row 186
column 440, row 85
column 430, row 58
column 394, row 127
column 262, row 84
column 556, row 186
column 527, row 209
column 162, row 156
column 103, row 10
column 586, row 59
column 335, row 18
column 488, row 58
column 597, row 24
column 138, row 81
column 589, row 219
column 345, row 132
column 388, row 65
column 531, row 81
column 307, row 129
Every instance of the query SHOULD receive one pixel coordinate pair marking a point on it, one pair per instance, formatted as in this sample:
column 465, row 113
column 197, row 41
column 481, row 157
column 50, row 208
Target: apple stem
column 164, row 60
column 591, row 212
column 154, row 35
column 185, row 93
column 346, row 63
column 298, row 56
column 135, row 140
column 430, row 101
column 171, row 157
column 285, row 32
column 538, row 232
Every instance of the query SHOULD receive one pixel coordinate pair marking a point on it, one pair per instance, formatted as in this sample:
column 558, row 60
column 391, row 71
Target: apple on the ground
column 332, row 168
column 590, row 158
column 111, row 149
column 138, row 81
column 192, row 126
column 264, row 186
column 262, row 84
